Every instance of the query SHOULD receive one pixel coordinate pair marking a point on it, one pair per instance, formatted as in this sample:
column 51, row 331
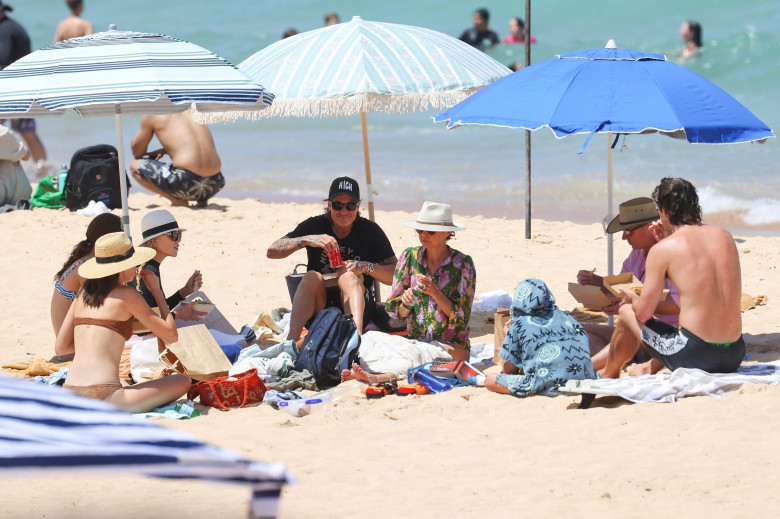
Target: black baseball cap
column 344, row 186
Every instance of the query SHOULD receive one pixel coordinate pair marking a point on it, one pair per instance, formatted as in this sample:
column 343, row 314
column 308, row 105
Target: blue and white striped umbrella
column 46, row 430
column 362, row 66
column 121, row 72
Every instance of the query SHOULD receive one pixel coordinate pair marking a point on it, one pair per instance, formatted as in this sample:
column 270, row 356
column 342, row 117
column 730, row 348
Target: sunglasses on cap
column 338, row 206
column 174, row 235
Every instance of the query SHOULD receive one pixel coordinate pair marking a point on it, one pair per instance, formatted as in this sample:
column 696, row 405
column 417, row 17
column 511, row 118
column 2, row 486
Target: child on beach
column 100, row 321
column 543, row 343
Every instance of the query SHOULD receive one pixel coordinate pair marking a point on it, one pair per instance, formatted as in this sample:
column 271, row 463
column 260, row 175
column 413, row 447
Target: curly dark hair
column 101, row 224
column 95, row 291
column 678, row 197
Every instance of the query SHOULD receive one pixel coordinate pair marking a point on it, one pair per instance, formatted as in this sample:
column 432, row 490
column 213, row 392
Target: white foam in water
column 761, row 211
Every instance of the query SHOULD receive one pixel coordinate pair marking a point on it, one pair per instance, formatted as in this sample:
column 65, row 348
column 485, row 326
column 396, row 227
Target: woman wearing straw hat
column 161, row 232
column 100, row 321
column 67, row 281
column 433, row 284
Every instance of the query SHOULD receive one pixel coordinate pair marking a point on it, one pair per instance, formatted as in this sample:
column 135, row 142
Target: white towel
column 668, row 387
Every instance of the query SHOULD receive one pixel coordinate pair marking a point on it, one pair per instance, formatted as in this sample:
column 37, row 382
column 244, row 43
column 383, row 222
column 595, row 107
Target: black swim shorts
column 682, row 349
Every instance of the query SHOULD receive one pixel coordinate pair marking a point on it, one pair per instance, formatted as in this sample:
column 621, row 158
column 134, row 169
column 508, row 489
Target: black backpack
column 330, row 346
column 94, row 175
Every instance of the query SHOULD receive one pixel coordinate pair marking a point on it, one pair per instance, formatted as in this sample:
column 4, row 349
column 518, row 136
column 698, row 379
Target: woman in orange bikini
column 100, row 321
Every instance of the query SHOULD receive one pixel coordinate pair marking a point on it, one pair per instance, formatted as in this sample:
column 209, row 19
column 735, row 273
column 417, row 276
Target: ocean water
column 479, row 170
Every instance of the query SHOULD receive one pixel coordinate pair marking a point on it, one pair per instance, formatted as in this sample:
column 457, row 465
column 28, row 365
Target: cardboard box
column 501, row 317
column 595, row 298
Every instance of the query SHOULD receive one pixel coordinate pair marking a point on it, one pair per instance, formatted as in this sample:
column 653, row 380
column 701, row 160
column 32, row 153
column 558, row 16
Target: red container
column 334, row 257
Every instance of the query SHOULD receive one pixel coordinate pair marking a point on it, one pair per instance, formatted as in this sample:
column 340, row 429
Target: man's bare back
column 189, row 145
column 703, row 263
column 72, row 27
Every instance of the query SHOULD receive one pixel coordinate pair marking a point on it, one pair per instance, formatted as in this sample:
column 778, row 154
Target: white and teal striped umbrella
column 121, row 72
column 362, row 66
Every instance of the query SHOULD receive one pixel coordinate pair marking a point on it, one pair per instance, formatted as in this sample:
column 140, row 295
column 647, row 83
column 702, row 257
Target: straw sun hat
column 434, row 217
column 114, row 253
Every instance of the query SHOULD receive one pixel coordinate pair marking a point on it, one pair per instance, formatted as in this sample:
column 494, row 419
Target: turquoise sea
column 479, row 170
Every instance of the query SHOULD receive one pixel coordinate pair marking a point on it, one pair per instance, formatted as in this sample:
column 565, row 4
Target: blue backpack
column 330, row 346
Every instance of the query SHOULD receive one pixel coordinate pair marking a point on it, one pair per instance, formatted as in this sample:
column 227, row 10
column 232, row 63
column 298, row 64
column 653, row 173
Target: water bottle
column 432, row 382
column 63, row 177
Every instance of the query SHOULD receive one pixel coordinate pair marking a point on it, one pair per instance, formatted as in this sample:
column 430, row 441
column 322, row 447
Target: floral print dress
column 455, row 277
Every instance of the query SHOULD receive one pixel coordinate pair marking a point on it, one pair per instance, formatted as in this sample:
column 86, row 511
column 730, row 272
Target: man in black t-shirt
column 365, row 250
column 480, row 36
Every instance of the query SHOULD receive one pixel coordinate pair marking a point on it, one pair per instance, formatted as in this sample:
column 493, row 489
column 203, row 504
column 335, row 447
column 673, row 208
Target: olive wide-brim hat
column 632, row 213
column 114, row 253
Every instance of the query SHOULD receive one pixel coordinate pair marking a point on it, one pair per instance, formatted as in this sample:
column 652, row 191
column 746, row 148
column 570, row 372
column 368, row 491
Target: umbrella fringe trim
column 341, row 107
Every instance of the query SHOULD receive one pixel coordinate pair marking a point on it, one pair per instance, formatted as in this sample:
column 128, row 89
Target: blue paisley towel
column 549, row 346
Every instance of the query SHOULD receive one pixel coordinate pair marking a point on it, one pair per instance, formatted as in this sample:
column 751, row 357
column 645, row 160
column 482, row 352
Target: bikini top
column 123, row 328
column 68, row 294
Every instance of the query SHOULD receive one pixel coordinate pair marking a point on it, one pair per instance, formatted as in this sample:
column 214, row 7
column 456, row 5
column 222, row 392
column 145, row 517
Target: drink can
column 334, row 257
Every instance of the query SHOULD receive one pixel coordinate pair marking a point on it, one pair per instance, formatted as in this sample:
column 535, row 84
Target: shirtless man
column 194, row 171
column 73, row 26
column 703, row 263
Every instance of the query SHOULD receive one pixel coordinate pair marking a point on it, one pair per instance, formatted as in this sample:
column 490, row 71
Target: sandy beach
column 463, row 453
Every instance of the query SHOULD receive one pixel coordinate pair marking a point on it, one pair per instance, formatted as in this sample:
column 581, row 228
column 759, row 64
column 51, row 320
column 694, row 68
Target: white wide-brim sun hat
column 157, row 223
column 434, row 217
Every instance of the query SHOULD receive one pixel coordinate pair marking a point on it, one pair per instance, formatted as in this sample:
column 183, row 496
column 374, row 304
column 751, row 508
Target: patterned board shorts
column 180, row 183
column 22, row 125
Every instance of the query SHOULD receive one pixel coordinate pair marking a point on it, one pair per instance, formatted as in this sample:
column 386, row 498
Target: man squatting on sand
column 194, row 171
column 703, row 263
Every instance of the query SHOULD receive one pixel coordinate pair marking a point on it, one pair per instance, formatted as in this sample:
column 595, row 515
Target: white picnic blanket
column 668, row 387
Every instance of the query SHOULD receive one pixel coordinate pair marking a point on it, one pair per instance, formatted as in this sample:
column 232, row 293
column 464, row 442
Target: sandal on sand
column 381, row 389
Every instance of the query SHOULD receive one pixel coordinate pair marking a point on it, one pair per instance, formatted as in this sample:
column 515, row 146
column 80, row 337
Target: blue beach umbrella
column 121, row 72
column 362, row 66
column 611, row 91
column 46, row 430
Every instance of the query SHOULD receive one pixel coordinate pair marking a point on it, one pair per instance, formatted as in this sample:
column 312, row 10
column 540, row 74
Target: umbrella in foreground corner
column 611, row 91
column 362, row 66
column 46, row 430
column 122, row 72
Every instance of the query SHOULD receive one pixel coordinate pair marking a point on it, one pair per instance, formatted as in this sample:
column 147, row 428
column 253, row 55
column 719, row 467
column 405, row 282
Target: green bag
column 47, row 195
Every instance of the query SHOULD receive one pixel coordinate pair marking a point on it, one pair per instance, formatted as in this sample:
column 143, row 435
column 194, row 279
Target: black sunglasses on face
column 419, row 231
column 338, row 206
column 174, row 235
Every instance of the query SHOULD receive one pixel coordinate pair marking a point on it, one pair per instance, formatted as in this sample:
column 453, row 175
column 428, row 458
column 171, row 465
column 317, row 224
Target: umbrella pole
column 527, row 132
column 367, row 160
column 369, row 187
column 611, row 320
column 122, row 178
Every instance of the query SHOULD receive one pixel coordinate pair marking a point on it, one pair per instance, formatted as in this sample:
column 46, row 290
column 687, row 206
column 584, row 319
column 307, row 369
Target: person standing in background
column 480, row 36
column 15, row 44
column 690, row 32
column 332, row 19
column 73, row 26
column 517, row 31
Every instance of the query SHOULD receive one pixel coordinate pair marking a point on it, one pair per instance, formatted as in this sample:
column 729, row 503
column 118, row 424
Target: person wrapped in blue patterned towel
column 544, row 347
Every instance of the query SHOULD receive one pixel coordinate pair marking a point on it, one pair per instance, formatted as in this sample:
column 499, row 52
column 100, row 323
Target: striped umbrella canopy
column 46, row 430
column 362, row 66
column 122, row 72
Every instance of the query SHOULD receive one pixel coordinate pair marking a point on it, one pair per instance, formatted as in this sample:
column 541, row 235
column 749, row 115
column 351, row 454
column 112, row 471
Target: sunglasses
column 628, row 232
column 174, row 235
column 431, row 233
column 338, row 206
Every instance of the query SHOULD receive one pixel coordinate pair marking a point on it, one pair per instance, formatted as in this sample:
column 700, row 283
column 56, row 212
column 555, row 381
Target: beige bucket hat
column 632, row 213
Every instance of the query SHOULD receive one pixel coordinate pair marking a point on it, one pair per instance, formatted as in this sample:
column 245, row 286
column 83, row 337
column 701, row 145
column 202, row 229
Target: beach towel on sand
column 668, row 387
column 549, row 346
